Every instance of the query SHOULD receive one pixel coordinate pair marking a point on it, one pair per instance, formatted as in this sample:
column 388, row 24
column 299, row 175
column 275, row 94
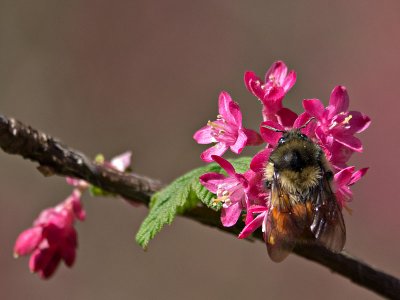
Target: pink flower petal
column 203, row 135
column 51, row 266
column 301, row 120
column 338, row 102
column 228, row 109
column 69, row 255
column 226, row 165
column 260, row 160
column 359, row 122
column 27, row 241
column 40, row 258
column 289, row 81
column 223, row 103
column 358, row 175
column 218, row 149
column 314, row 107
column 72, row 181
column 270, row 136
column 343, row 177
column 70, row 237
column 340, row 154
column 350, row 141
column 253, row 84
column 273, row 98
column 211, row 181
column 231, row 214
column 52, row 215
column 286, row 117
column 122, row 161
column 270, row 108
column 53, row 233
column 278, row 70
column 257, row 209
column 253, row 138
column 252, row 226
column 240, row 142
column 77, row 208
column 235, row 114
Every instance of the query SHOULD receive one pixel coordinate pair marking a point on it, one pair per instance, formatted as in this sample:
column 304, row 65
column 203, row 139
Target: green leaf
column 182, row 194
column 241, row 164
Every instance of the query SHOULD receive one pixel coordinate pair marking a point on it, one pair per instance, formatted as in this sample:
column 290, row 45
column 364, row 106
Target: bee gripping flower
column 227, row 131
column 52, row 238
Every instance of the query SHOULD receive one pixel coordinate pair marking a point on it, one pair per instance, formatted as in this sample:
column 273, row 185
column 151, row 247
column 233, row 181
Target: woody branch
column 55, row 158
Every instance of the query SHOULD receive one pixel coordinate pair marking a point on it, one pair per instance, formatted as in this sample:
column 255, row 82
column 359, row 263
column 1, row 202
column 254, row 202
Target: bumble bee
column 303, row 207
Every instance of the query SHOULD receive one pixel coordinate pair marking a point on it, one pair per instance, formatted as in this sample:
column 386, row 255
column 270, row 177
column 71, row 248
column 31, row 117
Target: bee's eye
column 281, row 141
column 303, row 136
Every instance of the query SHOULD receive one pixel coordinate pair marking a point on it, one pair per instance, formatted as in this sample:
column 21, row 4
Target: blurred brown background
column 107, row 76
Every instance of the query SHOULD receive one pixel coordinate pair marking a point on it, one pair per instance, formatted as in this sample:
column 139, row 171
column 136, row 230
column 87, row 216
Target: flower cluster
column 333, row 129
column 53, row 238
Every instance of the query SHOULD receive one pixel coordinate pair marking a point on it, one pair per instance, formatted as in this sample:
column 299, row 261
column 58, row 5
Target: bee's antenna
column 273, row 129
column 306, row 123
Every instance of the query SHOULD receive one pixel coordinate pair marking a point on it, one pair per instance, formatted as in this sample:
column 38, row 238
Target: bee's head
column 291, row 135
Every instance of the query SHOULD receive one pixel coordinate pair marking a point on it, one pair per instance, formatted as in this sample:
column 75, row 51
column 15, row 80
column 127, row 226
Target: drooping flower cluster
column 334, row 129
column 53, row 238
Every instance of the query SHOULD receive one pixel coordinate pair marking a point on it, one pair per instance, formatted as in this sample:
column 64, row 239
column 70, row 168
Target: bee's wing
column 279, row 234
column 328, row 224
column 285, row 223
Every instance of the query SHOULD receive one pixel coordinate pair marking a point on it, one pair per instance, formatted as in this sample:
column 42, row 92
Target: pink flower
column 255, row 223
column 230, row 191
column 53, row 237
column 271, row 92
column 226, row 131
column 120, row 163
column 343, row 180
column 78, row 183
column 336, row 124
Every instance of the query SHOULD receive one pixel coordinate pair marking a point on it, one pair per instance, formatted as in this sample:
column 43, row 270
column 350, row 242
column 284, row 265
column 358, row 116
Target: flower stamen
column 214, row 125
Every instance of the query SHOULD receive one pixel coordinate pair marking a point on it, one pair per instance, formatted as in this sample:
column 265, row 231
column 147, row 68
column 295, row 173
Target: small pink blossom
column 53, row 237
column 275, row 86
column 120, row 163
column 230, row 191
column 227, row 131
column 343, row 180
column 78, row 183
column 335, row 124
column 255, row 223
